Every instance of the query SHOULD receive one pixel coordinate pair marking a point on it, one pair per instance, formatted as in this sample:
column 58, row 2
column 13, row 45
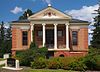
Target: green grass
column 1, row 59
column 47, row 70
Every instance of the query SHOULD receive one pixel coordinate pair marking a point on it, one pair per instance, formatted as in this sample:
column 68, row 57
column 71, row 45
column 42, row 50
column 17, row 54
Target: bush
column 39, row 64
column 25, row 57
column 78, row 65
column 53, row 63
column 30, row 55
column 90, row 62
column 97, row 57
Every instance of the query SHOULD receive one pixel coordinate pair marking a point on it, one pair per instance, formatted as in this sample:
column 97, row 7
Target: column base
column 67, row 49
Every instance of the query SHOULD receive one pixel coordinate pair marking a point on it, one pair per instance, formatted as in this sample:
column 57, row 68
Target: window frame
column 39, row 33
column 61, row 33
column 24, row 41
column 75, row 38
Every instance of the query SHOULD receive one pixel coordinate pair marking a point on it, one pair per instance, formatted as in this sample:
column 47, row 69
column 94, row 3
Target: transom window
column 74, row 37
column 25, row 38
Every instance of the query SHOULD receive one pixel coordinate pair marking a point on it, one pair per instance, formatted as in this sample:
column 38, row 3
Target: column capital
column 43, row 24
column 55, row 24
column 67, row 23
column 31, row 24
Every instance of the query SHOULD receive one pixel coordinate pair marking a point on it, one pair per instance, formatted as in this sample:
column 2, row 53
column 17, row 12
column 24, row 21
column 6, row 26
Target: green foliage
column 26, row 14
column 64, row 62
column 78, row 65
column 97, row 57
column 39, row 63
column 30, row 55
column 43, row 51
column 5, row 40
column 96, row 32
column 92, row 60
column 58, row 63
column 53, row 63
column 25, row 57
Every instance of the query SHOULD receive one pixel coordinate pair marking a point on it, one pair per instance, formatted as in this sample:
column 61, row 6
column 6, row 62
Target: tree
column 8, row 40
column 26, row 14
column 2, row 39
column 96, row 32
column 5, row 40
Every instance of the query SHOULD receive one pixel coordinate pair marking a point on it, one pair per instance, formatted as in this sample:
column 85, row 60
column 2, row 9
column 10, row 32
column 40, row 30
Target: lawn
column 1, row 59
column 47, row 70
column 28, row 69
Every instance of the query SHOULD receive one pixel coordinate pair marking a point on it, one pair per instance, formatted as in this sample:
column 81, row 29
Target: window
column 60, row 33
column 25, row 38
column 40, row 33
column 74, row 37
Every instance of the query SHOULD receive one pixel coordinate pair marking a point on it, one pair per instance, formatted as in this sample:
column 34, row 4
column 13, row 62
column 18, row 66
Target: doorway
column 50, row 38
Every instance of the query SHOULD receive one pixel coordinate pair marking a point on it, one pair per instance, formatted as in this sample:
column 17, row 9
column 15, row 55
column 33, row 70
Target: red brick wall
column 17, row 40
column 66, row 53
column 82, row 40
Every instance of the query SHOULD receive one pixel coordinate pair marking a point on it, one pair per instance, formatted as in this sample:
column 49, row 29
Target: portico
column 55, row 47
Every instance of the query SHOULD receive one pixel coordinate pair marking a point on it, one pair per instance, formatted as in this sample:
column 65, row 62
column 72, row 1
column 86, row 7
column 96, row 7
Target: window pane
column 40, row 33
column 25, row 38
column 74, row 37
column 59, row 33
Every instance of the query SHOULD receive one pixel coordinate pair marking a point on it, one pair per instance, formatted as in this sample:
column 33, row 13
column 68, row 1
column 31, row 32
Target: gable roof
column 49, row 8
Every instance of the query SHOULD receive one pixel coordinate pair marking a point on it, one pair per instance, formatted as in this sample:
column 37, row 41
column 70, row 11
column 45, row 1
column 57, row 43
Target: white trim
column 57, row 49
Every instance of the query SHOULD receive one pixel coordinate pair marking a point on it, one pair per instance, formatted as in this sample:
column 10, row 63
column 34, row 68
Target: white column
column 43, row 34
column 67, row 36
column 55, row 36
column 32, row 28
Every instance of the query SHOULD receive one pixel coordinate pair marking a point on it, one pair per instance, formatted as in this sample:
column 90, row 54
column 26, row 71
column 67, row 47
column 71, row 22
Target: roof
column 21, row 21
column 71, row 21
column 78, row 21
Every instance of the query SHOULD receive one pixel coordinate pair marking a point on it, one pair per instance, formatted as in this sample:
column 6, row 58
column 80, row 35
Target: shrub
column 64, row 62
column 60, row 63
column 39, row 64
column 30, row 55
column 53, row 63
column 97, row 58
column 25, row 57
column 43, row 51
column 78, row 65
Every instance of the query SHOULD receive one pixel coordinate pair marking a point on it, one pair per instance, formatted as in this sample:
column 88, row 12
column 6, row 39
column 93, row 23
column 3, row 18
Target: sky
column 10, row 10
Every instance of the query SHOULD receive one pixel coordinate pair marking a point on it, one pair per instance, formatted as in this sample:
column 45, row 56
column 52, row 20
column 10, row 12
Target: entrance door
column 50, row 38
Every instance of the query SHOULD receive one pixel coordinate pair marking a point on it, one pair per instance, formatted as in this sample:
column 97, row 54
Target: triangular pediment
column 49, row 13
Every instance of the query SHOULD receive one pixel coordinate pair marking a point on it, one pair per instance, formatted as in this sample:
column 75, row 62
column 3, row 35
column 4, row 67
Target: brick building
column 59, row 32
